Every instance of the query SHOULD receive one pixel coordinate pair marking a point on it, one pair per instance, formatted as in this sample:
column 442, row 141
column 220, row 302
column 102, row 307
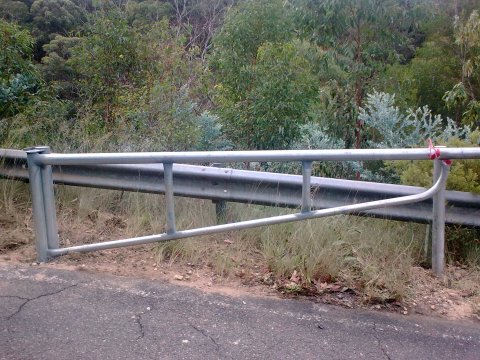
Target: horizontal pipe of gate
column 254, row 156
column 262, row 188
column 40, row 176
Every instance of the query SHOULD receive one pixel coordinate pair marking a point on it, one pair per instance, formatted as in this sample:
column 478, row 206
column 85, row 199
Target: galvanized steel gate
column 40, row 162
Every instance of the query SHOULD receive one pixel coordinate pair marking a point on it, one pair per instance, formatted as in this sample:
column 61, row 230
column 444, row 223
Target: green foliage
column 56, row 67
column 107, row 61
column 130, row 88
column 262, row 71
column 13, row 10
column 265, row 81
column 199, row 21
column 16, row 50
column 44, row 121
column 365, row 34
column 56, row 16
column 19, row 79
column 424, row 80
column 464, row 174
column 335, row 109
column 246, row 28
column 466, row 93
column 148, row 11
column 389, row 128
column 314, row 136
column 165, row 120
column 135, row 83
column 281, row 88
column 211, row 135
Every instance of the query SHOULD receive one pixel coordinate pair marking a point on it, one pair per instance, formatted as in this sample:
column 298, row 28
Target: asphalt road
column 54, row 314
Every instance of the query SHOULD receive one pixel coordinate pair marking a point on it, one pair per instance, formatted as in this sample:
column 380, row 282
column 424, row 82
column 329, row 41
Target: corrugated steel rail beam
column 254, row 187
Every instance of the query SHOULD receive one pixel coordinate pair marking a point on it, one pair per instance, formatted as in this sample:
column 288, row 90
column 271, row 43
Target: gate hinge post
column 43, row 203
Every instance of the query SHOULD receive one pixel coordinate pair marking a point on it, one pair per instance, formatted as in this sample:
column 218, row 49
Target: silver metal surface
column 306, row 186
column 38, row 209
column 263, row 188
column 438, row 224
column 169, row 200
column 220, row 205
column 49, row 202
column 41, row 179
column 245, row 156
column 254, row 223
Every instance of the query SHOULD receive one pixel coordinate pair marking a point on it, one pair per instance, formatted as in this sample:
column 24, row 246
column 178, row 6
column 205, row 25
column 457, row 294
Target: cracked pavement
column 53, row 314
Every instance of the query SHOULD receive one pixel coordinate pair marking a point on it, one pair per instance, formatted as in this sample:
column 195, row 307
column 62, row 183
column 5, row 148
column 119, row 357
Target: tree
column 199, row 20
column 136, row 83
column 13, row 10
column 260, row 75
column 247, row 27
column 107, row 60
column 466, row 93
column 433, row 71
column 56, row 16
column 19, row 79
column 281, row 88
column 56, row 68
column 148, row 11
column 364, row 35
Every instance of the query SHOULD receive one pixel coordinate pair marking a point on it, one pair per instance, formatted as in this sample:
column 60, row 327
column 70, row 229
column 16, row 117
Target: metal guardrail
column 254, row 187
column 40, row 163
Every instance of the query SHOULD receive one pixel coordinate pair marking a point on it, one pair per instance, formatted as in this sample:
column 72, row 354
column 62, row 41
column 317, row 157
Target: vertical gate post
column 306, row 186
column 38, row 204
column 169, row 199
column 49, row 202
column 438, row 221
column 220, row 206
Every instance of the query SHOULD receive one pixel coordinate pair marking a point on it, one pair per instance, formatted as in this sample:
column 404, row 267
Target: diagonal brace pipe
column 260, row 222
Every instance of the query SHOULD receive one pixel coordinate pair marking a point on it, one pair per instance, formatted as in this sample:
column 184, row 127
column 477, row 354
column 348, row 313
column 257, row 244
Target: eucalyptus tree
column 106, row 59
column 56, row 16
column 362, row 35
column 148, row 11
column 14, row 10
column 19, row 79
column 265, row 80
column 466, row 92
column 199, row 20
column 56, row 68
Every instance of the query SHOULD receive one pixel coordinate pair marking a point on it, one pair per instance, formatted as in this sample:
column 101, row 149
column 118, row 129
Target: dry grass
column 370, row 255
column 15, row 215
column 476, row 304
column 466, row 279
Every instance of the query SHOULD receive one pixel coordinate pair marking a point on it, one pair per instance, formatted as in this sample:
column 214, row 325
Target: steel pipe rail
column 40, row 176
column 259, row 222
column 245, row 156
column 262, row 188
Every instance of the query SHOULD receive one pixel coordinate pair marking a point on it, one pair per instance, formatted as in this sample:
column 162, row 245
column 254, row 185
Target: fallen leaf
column 295, row 277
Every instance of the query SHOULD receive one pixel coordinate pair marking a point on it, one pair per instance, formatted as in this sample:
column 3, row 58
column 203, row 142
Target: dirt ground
column 455, row 296
column 431, row 296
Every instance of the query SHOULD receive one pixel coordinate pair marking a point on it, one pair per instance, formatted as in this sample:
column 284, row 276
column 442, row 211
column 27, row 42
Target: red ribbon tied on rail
column 434, row 153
